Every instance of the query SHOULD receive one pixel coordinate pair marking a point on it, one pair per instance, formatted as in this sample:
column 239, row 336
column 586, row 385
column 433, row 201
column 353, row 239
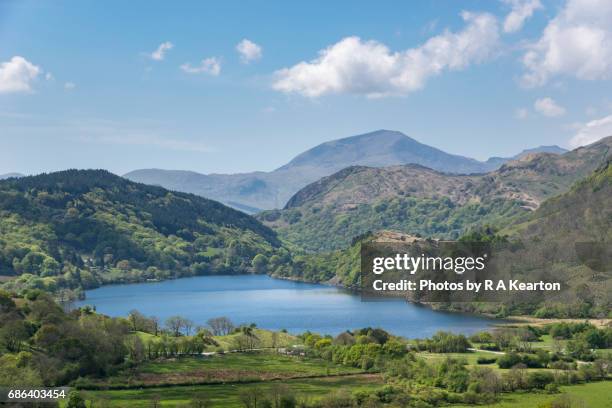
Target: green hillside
column 327, row 214
column 84, row 228
column 543, row 244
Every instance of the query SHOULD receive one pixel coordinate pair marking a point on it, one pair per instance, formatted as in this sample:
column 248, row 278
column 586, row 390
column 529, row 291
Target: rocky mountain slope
column 252, row 192
column 328, row 213
column 566, row 239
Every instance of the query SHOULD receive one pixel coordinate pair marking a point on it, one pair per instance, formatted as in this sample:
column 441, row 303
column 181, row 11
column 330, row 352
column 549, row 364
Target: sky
column 237, row 86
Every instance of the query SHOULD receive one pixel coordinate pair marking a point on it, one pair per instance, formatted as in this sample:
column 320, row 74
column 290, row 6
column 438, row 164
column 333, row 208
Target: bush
column 551, row 388
column 486, row 360
column 539, row 379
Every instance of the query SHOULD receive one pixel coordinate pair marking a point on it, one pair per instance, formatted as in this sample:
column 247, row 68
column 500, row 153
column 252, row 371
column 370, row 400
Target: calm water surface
column 276, row 304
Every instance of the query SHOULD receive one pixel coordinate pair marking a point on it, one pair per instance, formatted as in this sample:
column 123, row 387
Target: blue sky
column 81, row 84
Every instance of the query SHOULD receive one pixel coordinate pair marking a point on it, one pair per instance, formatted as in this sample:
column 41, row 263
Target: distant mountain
column 83, row 228
column 330, row 212
column 10, row 175
column 380, row 149
column 252, row 192
column 495, row 162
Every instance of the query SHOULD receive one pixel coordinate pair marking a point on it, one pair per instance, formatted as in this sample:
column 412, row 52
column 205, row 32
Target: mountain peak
column 381, row 148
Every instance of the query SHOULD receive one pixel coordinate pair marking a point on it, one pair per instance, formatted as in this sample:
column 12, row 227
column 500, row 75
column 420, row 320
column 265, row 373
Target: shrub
column 486, row 360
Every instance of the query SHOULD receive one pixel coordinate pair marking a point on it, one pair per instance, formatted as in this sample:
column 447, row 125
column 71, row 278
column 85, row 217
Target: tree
column 12, row 334
column 200, row 400
column 220, row 326
column 260, row 262
column 155, row 401
column 251, row 397
column 75, row 400
column 154, row 324
column 137, row 320
column 187, row 326
column 175, row 324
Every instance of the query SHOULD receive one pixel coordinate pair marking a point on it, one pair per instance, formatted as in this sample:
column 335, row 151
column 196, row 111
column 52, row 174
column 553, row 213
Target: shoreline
column 514, row 320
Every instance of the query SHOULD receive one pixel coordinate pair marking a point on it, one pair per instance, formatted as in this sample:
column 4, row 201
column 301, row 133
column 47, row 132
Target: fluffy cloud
column 521, row 11
column 160, row 53
column 370, row 68
column 592, row 132
column 69, row 86
column 577, row 42
column 249, row 51
column 548, row 107
column 210, row 66
column 17, row 75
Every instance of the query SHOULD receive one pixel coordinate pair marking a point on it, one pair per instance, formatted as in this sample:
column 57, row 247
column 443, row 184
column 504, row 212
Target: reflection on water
column 276, row 304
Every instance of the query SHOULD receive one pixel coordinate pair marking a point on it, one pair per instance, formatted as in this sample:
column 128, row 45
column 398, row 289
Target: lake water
column 276, row 304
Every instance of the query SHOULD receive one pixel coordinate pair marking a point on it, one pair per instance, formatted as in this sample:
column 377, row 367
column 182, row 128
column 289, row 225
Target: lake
column 276, row 304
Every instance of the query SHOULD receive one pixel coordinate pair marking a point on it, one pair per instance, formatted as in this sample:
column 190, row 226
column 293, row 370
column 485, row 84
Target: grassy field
column 223, row 368
column 228, row 395
column 592, row 395
column 471, row 357
column 264, row 336
column 228, row 342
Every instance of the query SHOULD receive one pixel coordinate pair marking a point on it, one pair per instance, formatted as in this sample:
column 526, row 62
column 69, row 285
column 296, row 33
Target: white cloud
column 69, row 86
column 592, row 132
column 160, row 53
column 370, row 68
column 577, row 42
column 49, row 76
column 17, row 75
column 521, row 11
column 211, row 66
column 521, row 113
column 548, row 107
column 249, row 51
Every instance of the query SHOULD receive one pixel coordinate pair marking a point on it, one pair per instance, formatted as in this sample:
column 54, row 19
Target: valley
column 111, row 251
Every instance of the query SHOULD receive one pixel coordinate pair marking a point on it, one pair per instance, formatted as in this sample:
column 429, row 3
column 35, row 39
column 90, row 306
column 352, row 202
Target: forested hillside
column 328, row 214
column 83, row 228
column 543, row 244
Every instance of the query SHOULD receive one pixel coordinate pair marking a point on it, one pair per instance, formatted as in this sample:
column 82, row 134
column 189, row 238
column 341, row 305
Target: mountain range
column 253, row 192
column 330, row 212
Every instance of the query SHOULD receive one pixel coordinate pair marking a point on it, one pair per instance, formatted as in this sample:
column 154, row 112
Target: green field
column 228, row 395
column 592, row 395
column 223, row 368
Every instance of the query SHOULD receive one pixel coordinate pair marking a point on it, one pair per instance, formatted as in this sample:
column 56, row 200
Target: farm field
column 592, row 395
column 224, row 368
column 228, row 395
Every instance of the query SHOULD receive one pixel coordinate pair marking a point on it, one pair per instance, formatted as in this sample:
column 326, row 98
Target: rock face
column 252, row 192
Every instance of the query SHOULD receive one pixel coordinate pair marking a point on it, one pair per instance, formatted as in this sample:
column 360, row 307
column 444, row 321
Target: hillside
column 83, row 228
column 10, row 175
column 252, row 192
column 543, row 245
column 328, row 213
column 553, row 238
column 496, row 162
